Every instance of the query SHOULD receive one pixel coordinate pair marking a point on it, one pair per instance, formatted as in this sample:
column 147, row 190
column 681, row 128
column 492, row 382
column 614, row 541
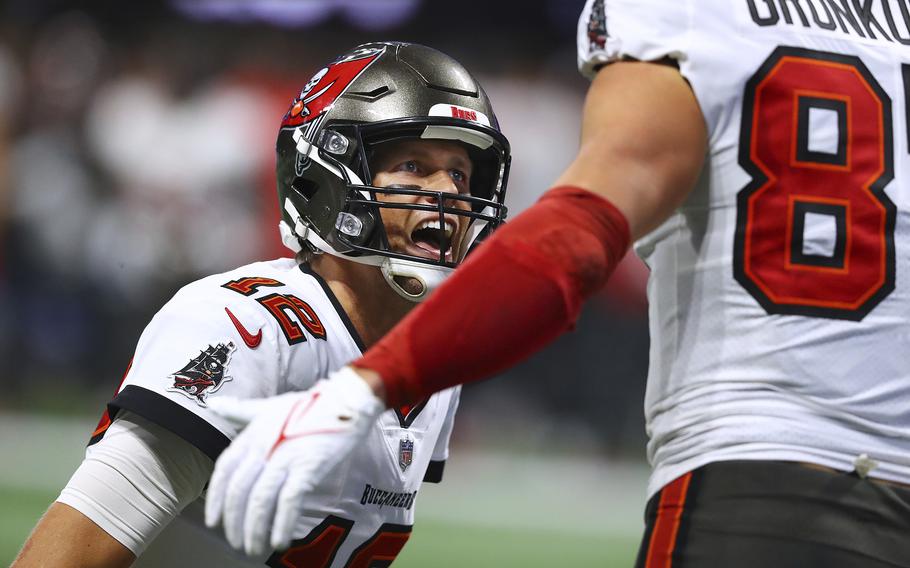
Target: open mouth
column 433, row 239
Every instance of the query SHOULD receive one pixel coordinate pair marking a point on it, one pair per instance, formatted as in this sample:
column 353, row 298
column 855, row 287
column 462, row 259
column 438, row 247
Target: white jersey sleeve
column 184, row 356
column 644, row 30
column 206, row 341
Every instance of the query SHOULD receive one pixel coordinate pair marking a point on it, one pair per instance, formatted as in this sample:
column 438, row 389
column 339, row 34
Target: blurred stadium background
column 136, row 154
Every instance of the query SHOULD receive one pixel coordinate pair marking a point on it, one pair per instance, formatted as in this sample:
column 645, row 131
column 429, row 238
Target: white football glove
column 292, row 442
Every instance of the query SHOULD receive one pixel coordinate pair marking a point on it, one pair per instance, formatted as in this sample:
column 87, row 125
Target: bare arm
column 643, row 142
column 65, row 538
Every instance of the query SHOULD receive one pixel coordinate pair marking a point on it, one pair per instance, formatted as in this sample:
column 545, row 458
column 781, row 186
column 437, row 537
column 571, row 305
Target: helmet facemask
column 359, row 232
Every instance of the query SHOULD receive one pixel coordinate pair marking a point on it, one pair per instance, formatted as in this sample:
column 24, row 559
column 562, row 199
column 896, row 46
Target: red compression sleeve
column 516, row 293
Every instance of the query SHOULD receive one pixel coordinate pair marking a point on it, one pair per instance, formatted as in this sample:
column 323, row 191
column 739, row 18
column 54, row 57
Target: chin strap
column 288, row 237
column 427, row 276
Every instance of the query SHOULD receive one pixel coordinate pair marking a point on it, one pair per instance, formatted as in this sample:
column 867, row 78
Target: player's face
column 432, row 165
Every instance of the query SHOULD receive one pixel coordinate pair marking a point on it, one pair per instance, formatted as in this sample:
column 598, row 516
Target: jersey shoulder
column 222, row 308
column 274, row 295
column 645, row 30
column 242, row 282
column 255, row 331
column 271, row 311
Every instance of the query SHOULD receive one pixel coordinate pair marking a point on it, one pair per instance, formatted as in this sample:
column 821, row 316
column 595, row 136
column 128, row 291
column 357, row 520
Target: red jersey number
column 804, row 189
column 319, row 548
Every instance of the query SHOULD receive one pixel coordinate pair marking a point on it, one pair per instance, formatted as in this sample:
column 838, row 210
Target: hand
column 292, row 442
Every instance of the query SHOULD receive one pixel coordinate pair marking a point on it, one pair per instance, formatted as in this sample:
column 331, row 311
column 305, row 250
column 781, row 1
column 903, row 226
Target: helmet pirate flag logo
column 405, row 452
column 318, row 95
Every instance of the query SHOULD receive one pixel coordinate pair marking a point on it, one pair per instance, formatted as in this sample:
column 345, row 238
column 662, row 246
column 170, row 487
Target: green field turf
column 441, row 545
column 433, row 543
column 19, row 511
column 493, row 508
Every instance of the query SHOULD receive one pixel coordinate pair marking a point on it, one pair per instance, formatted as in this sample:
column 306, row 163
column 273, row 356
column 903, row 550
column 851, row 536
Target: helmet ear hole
column 305, row 187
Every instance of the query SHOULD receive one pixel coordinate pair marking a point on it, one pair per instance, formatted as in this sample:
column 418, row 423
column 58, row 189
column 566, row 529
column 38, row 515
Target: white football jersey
column 779, row 295
column 257, row 331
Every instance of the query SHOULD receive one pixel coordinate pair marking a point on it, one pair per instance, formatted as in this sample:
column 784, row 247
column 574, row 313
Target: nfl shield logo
column 405, row 453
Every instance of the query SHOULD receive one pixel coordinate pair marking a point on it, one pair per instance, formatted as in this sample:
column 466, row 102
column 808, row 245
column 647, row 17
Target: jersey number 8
column 830, row 191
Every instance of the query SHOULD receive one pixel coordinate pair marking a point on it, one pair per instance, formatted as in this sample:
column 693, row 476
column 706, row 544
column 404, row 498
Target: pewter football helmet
column 376, row 93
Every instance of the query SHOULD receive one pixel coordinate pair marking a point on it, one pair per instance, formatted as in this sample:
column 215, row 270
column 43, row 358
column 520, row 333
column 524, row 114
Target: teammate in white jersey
column 390, row 166
column 757, row 150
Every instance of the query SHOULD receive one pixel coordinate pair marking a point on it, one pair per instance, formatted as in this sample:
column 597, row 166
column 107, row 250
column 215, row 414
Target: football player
column 390, row 166
column 757, row 152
